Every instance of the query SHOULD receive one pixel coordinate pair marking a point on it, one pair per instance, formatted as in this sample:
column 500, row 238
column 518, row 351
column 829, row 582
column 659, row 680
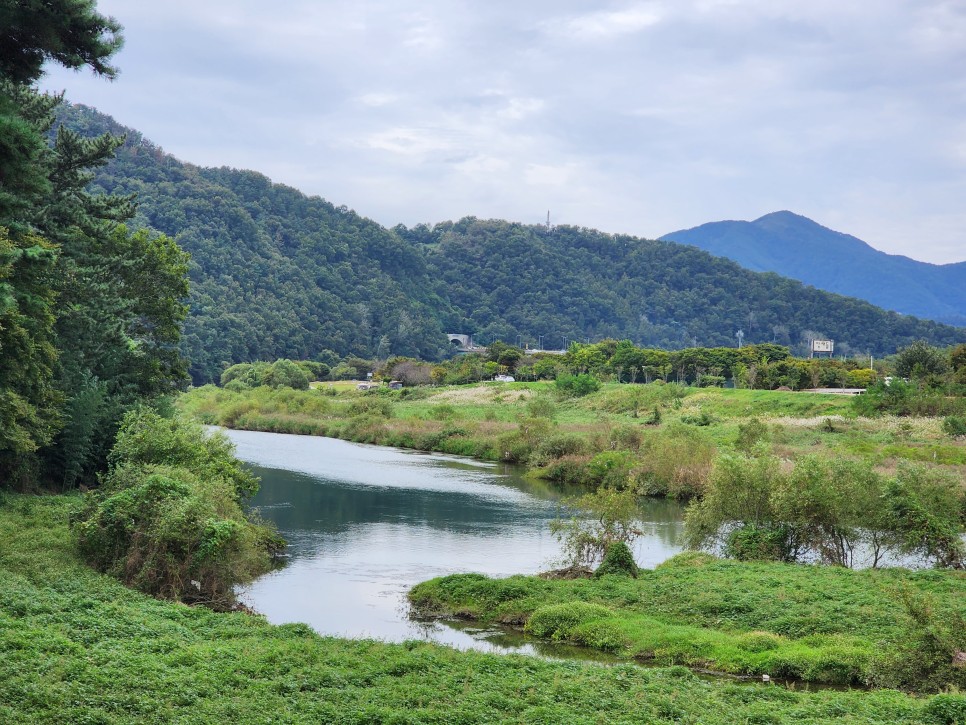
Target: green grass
column 77, row 647
column 818, row 624
column 484, row 421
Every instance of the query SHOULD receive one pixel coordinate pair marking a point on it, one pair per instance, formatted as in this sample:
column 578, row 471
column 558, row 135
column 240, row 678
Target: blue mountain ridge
column 797, row 247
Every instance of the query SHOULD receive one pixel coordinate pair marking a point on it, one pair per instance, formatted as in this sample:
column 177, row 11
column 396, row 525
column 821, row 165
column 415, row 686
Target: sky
column 640, row 118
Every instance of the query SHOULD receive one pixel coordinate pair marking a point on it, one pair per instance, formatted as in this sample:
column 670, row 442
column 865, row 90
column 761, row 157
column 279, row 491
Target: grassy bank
column 670, row 434
column 76, row 646
column 820, row 624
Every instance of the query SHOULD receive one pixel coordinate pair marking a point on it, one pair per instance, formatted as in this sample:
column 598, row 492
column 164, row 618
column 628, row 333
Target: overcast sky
column 634, row 117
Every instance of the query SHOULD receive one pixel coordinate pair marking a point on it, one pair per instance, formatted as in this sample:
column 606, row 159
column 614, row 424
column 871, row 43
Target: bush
column 611, row 469
column 541, row 407
column 561, row 445
column 576, row 386
column 702, row 418
column 750, row 434
column 825, row 509
column 954, row 425
column 443, row 411
column 618, row 561
column 626, row 437
column 372, row 406
column 946, row 709
column 146, row 439
column 569, row 470
column 281, row 373
column 610, row 517
column 168, row 518
column 757, row 542
column 676, row 462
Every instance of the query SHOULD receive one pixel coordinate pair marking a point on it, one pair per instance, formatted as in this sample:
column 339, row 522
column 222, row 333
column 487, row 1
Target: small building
column 395, row 385
column 505, row 379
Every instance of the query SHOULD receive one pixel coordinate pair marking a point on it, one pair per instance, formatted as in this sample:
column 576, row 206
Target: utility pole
column 741, row 336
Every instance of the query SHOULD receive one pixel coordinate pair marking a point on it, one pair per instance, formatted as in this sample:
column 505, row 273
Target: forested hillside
column 794, row 246
column 274, row 273
column 573, row 283
column 278, row 274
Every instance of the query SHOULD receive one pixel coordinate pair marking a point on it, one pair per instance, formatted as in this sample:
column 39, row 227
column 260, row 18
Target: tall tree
column 119, row 295
column 69, row 32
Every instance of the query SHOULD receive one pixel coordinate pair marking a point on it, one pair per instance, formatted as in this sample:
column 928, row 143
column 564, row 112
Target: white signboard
column 822, row 345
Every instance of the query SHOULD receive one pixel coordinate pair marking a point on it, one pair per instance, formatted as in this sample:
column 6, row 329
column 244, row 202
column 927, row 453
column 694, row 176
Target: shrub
column 541, row 407
column 558, row 621
column 281, row 373
column 676, row 462
column 946, row 709
column 711, row 381
column 561, row 445
column 568, row 470
column 618, row 561
column 609, row 516
column 611, row 469
column 760, row 542
column 702, row 418
column 373, row 406
column 168, row 518
column 443, row 411
column 626, row 437
column 576, row 386
column 954, row 425
column 750, row 434
column 520, row 445
column 147, row 439
column 825, row 509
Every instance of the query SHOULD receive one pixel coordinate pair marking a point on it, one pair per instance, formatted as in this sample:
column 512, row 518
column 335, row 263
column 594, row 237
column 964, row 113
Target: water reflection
column 366, row 523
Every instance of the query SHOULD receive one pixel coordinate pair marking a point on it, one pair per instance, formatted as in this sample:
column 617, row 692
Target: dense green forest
column 274, row 273
column 90, row 310
column 278, row 274
column 91, row 313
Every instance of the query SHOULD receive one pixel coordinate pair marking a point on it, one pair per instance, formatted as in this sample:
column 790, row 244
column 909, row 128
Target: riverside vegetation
column 771, row 475
column 79, row 647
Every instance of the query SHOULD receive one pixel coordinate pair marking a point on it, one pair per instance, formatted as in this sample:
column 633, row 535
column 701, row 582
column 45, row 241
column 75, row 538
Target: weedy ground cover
column 525, row 423
column 888, row 627
column 76, row 646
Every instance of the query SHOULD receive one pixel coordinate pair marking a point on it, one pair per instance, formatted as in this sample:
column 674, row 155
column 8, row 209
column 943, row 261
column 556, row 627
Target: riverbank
column 832, row 625
column 666, row 437
column 76, row 646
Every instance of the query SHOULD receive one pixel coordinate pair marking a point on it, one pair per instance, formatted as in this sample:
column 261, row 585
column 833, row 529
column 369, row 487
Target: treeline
column 765, row 366
column 90, row 310
column 276, row 274
column 90, row 324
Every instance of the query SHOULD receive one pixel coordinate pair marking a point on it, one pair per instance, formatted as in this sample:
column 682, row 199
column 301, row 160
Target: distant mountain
column 276, row 273
column 795, row 246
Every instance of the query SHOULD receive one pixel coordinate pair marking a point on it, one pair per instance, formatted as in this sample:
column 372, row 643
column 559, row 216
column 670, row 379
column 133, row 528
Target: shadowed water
column 365, row 523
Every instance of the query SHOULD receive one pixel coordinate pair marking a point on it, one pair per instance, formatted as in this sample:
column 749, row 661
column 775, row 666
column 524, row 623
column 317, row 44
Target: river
column 365, row 523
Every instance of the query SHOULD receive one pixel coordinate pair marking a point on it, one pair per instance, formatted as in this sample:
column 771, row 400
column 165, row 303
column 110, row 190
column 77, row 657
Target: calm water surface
column 365, row 523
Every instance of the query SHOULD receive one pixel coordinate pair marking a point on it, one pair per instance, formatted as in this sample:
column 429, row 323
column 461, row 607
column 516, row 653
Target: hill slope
column 276, row 273
column 574, row 283
column 795, row 246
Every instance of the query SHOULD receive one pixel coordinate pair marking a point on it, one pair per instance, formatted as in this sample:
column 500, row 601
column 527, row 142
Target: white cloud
column 635, row 117
column 606, row 24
